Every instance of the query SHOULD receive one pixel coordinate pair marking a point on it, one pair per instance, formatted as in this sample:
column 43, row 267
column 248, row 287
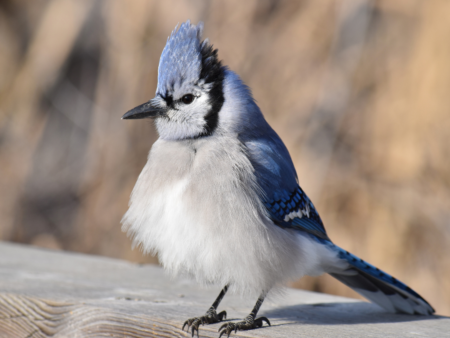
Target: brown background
column 358, row 90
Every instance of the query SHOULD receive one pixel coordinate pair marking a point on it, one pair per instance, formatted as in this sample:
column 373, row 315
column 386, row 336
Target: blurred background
column 357, row 89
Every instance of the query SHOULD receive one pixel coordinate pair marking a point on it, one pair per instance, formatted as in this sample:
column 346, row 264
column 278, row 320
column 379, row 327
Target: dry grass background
column 358, row 90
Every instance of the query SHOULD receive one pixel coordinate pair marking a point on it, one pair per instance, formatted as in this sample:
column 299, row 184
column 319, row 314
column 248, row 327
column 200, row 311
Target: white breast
column 201, row 212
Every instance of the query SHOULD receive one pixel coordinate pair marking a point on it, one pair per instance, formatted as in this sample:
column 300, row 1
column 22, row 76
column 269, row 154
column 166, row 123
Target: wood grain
column 47, row 293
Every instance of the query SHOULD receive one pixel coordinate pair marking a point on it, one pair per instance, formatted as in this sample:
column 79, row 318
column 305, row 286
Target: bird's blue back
column 276, row 175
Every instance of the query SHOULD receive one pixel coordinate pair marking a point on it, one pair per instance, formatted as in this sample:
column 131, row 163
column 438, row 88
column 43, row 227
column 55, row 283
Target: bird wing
column 295, row 210
column 287, row 204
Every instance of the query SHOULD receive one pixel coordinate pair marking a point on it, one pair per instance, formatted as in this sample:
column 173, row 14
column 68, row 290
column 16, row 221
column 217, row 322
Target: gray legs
column 210, row 317
column 248, row 323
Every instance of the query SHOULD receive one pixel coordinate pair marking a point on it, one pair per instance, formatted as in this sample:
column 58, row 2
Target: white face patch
column 185, row 120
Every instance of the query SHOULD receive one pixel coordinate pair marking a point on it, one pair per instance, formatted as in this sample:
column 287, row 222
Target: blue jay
column 219, row 197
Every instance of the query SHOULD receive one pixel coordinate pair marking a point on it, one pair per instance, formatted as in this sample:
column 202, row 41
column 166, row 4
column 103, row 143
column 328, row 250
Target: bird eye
column 187, row 99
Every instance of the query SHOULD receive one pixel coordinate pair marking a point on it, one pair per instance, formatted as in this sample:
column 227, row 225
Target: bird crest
column 187, row 61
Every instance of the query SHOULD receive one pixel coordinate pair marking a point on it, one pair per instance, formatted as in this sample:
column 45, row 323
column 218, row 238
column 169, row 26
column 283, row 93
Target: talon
column 247, row 324
column 222, row 315
column 264, row 319
column 226, row 329
column 188, row 323
column 209, row 318
column 221, row 333
column 193, row 331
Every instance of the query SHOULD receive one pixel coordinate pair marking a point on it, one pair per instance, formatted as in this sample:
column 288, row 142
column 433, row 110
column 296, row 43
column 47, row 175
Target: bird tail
column 380, row 287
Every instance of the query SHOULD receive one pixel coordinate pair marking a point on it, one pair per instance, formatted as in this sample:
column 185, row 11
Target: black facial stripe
column 168, row 99
column 212, row 72
column 216, row 100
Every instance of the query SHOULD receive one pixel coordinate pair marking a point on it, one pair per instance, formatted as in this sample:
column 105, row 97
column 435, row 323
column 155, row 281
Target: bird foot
column 248, row 323
column 210, row 317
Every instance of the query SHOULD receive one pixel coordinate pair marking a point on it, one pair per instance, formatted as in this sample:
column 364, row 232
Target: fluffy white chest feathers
column 200, row 211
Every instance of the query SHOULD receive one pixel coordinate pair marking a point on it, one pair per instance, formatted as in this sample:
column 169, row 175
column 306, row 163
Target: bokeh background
column 359, row 91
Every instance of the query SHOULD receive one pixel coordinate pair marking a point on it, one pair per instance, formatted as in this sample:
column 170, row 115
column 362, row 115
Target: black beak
column 148, row 109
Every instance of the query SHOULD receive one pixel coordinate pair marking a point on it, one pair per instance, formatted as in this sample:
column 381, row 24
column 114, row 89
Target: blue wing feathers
column 290, row 208
column 285, row 203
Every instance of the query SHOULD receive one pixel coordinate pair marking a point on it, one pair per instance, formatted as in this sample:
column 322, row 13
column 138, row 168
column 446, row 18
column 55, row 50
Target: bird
column 219, row 198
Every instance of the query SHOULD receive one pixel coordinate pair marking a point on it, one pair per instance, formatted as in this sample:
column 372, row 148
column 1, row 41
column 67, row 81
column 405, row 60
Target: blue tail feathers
column 380, row 287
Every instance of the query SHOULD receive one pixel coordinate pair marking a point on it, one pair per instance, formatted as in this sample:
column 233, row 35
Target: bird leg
column 210, row 317
column 248, row 323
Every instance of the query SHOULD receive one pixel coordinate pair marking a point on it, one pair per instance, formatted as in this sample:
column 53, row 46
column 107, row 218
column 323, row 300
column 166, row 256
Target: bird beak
column 149, row 109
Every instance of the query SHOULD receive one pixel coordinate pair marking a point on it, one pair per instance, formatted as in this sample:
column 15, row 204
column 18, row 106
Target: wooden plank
column 49, row 293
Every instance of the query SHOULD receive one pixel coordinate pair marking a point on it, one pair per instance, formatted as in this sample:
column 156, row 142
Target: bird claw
column 248, row 324
column 210, row 317
column 193, row 324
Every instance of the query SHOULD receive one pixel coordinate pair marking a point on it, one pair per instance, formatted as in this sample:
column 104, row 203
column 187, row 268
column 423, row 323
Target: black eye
column 187, row 99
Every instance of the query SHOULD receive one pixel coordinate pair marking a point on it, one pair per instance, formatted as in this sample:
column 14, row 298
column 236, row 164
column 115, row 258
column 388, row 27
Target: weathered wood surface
column 47, row 293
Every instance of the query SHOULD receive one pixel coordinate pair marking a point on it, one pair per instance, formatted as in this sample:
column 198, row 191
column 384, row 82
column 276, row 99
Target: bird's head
column 189, row 95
